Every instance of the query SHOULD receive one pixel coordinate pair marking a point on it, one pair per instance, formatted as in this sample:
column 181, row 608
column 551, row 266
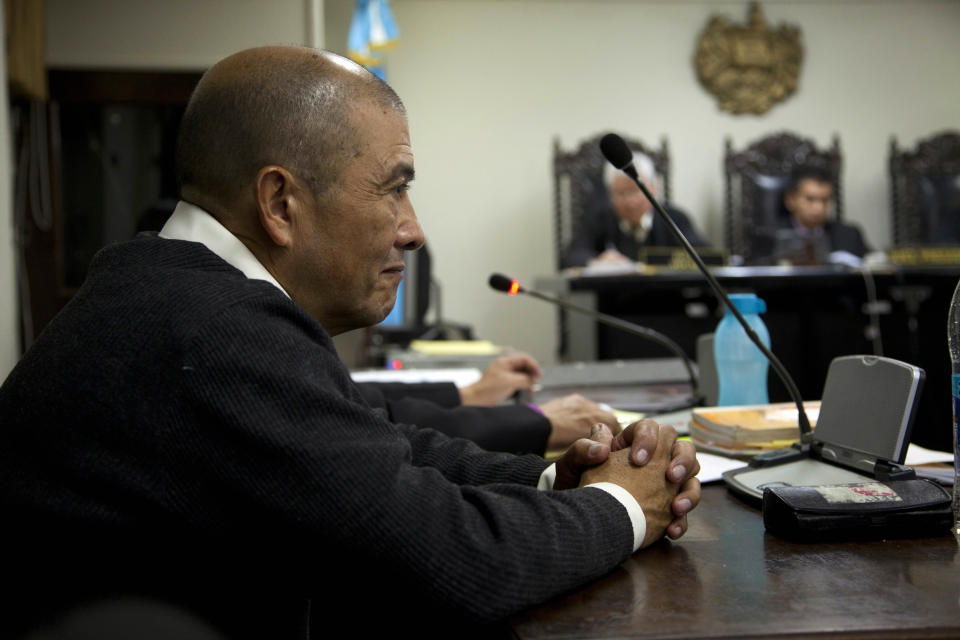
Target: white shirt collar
column 190, row 222
column 638, row 232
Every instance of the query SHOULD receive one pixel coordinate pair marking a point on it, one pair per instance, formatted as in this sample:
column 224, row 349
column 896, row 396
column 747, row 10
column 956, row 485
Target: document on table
column 917, row 456
column 712, row 466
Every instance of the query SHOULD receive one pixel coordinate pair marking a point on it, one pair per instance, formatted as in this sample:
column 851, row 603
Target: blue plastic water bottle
column 741, row 366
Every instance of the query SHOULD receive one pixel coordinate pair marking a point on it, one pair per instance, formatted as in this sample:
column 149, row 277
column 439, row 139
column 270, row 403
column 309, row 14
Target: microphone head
column 617, row 153
column 502, row 283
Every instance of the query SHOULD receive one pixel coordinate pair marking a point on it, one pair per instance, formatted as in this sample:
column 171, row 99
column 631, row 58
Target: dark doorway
column 109, row 139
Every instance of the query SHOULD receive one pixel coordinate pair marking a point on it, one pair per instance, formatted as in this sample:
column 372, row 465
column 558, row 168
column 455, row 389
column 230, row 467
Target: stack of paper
column 749, row 429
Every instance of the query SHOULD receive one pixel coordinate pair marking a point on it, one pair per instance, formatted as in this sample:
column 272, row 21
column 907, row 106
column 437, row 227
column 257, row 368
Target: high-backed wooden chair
column 925, row 191
column 578, row 184
column 756, row 179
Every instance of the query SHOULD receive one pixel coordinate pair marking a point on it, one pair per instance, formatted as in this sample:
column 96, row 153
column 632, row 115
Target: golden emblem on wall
column 750, row 67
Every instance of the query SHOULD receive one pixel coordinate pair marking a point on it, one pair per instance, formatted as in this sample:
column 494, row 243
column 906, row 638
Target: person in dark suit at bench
column 615, row 231
column 808, row 235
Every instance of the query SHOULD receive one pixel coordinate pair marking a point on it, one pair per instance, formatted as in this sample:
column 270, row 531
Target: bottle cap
column 747, row 303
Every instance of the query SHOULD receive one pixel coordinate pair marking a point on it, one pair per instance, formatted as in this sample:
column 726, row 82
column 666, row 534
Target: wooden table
column 727, row 578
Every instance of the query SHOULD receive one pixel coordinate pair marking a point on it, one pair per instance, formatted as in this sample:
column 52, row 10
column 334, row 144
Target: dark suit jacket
column 837, row 236
column 596, row 231
column 509, row 428
column 846, row 237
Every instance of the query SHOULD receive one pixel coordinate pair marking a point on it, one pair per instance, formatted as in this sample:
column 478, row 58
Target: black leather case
column 872, row 509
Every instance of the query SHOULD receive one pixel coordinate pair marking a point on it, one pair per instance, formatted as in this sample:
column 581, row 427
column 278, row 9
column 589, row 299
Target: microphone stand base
column 780, row 456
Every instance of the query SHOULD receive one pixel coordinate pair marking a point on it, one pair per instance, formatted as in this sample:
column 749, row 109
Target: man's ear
column 278, row 203
column 789, row 199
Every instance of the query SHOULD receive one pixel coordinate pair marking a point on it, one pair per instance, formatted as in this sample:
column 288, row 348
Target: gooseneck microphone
column 511, row 287
column 617, row 153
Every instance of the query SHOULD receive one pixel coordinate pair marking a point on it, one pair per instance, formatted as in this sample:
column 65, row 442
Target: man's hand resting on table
column 572, row 417
column 648, row 461
column 501, row 379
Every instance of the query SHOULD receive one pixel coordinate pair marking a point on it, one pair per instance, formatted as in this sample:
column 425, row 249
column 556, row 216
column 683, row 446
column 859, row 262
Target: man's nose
column 409, row 233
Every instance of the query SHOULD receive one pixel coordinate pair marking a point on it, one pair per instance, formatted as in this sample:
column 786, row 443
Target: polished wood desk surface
column 727, row 578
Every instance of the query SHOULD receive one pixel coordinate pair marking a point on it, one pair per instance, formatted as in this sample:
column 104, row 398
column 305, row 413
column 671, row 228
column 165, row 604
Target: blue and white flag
column 372, row 31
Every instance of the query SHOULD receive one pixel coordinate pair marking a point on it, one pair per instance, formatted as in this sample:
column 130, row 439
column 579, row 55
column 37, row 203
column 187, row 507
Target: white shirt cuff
column 547, row 478
column 637, row 519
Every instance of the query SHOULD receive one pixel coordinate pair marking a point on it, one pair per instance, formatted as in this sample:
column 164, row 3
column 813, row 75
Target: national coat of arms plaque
column 748, row 67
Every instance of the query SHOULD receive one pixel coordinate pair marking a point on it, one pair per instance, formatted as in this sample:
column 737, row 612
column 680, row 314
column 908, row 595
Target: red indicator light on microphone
column 395, row 365
column 514, row 288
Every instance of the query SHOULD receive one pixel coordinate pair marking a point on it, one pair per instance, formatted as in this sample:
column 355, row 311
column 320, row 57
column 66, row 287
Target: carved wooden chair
column 579, row 188
column 925, row 191
column 756, row 179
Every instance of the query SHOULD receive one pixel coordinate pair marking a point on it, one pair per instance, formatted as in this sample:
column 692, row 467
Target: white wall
column 489, row 83
column 172, row 34
column 9, row 343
